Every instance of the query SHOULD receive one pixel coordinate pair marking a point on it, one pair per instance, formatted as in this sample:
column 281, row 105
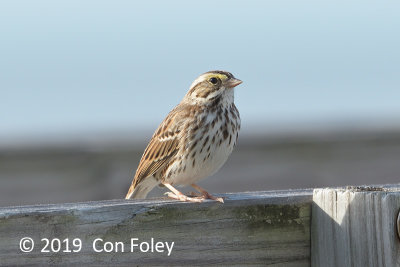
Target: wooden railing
column 321, row 227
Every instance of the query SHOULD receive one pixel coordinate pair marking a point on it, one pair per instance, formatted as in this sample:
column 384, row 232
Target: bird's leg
column 175, row 194
column 207, row 195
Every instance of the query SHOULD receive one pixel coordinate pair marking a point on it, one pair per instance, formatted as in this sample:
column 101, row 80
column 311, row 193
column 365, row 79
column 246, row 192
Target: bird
column 193, row 141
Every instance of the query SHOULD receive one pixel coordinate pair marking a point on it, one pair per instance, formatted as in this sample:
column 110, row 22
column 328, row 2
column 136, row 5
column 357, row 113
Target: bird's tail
column 142, row 189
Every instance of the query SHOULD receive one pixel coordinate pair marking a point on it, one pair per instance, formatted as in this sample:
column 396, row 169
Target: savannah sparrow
column 193, row 141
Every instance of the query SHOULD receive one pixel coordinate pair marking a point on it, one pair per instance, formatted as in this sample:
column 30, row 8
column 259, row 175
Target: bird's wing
column 161, row 148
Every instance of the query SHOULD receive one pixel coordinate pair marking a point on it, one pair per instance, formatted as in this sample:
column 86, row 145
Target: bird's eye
column 213, row 80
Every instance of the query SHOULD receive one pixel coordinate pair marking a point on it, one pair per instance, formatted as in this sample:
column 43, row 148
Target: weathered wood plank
column 355, row 226
column 257, row 228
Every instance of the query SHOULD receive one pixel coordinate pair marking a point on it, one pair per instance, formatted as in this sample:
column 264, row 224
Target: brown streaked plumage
column 193, row 141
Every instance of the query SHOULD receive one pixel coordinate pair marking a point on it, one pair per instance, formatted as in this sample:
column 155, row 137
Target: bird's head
column 210, row 85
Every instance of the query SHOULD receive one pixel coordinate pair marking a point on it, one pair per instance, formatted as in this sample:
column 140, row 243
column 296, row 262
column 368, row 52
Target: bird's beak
column 233, row 82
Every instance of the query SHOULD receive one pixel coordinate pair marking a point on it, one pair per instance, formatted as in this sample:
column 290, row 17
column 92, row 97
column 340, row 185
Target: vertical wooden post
column 355, row 227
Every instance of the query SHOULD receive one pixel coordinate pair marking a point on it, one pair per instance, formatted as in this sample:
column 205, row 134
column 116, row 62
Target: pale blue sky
column 74, row 66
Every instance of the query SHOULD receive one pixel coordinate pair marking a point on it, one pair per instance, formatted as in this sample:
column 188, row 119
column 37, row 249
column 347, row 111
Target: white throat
column 228, row 97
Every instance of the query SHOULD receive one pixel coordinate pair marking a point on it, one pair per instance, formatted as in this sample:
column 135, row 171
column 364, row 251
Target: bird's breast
column 206, row 145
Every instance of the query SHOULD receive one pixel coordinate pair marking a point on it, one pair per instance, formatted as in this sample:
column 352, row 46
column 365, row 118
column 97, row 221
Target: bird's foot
column 182, row 197
column 209, row 196
column 206, row 195
column 193, row 194
column 176, row 194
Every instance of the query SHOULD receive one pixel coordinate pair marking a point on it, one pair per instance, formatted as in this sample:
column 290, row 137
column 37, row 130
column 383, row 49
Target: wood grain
column 256, row 228
column 355, row 226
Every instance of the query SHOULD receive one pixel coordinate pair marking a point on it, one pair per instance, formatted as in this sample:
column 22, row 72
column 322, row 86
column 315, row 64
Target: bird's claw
column 198, row 199
column 182, row 197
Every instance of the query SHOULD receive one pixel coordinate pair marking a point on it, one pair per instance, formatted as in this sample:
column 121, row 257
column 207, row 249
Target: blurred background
column 83, row 85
